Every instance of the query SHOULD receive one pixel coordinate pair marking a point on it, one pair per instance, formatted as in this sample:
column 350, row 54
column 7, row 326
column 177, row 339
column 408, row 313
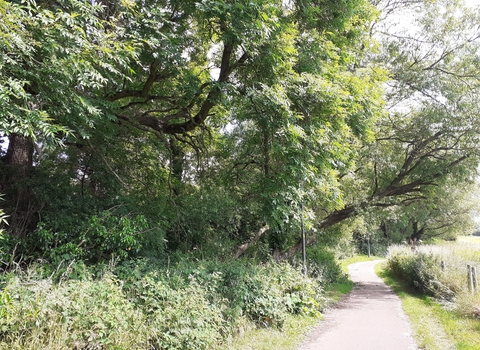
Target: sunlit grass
column 293, row 333
column 434, row 327
column 357, row 258
column 469, row 239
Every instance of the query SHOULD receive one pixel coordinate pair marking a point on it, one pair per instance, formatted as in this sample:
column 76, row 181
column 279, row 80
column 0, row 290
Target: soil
column 369, row 318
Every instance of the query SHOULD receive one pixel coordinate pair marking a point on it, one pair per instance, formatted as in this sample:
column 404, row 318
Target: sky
column 473, row 2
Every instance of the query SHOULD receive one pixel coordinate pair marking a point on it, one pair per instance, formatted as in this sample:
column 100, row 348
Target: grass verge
column 293, row 332
column 434, row 327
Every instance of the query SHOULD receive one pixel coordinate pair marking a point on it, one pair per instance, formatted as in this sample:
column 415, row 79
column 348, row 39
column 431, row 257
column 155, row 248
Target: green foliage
column 142, row 304
column 183, row 127
column 422, row 269
column 323, row 264
column 78, row 314
column 103, row 237
column 202, row 122
column 49, row 71
column 378, row 243
column 179, row 318
column 119, row 85
column 265, row 294
column 85, row 235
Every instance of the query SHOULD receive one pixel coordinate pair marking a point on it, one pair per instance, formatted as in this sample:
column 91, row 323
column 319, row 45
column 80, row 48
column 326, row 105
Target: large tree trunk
column 19, row 198
column 385, row 230
column 19, row 155
column 245, row 246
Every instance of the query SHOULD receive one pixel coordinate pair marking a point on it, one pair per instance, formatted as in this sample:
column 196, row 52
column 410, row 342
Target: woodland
column 218, row 129
column 162, row 161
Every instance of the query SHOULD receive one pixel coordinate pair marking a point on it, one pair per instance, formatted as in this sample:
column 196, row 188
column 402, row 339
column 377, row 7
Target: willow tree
column 430, row 135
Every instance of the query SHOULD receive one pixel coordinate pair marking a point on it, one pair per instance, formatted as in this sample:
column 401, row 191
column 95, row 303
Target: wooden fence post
column 470, row 278
column 474, row 278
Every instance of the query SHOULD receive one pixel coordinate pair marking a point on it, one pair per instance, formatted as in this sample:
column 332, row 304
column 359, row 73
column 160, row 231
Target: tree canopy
column 140, row 126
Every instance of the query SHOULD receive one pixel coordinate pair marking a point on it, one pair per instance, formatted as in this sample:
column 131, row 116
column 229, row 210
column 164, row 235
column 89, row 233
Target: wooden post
column 304, row 245
column 470, row 278
column 474, row 278
column 443, row 265
column 368, row 242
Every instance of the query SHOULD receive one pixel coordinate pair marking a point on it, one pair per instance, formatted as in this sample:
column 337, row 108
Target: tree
column 431, row 130
column 445, row 214
column 168, row 76
column 49, row 78
column 218, row 119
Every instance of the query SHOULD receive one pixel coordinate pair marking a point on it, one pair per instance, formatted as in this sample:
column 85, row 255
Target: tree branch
column 245, row 246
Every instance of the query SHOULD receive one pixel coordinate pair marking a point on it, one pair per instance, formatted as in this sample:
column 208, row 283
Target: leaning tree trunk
column 417, row 233
column 19, row 199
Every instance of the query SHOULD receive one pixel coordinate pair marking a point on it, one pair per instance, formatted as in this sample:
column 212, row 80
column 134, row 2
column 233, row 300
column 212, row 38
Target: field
column 469, row 239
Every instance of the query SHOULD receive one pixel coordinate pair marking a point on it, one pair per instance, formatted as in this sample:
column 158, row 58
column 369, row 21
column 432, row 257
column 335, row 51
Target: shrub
column 146, row 304
column 75, row 315
column 263, row 293
column 179, row 319
column 423, row 270
column 323, row 265
column 103, row 236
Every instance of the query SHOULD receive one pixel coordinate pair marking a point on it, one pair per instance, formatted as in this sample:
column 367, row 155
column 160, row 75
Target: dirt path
column 370, row 318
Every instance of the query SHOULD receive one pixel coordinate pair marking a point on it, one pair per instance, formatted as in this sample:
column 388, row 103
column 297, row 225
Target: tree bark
column 19, row 155
column 417, row 233
column 266, row 153
column 20, row 200
column 245, row 246
column 384, row 229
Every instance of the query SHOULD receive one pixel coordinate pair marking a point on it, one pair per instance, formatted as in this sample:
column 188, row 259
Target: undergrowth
column 441, row 272
column 147, row 304
column 444, row 312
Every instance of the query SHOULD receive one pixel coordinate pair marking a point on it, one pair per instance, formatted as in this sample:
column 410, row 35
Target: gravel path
column 370, row 318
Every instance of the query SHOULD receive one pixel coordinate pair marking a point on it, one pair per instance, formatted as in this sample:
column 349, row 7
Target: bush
column 275, row 291
column 90, row 237
column 103, row 236
column 179, row 319
column 323, row 265
column 263, row 293
column 422, row 269
column 147, row 304
column 75, row 315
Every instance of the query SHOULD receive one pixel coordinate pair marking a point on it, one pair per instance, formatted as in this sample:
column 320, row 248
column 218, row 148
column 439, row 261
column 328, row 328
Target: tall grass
column 440, row 271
